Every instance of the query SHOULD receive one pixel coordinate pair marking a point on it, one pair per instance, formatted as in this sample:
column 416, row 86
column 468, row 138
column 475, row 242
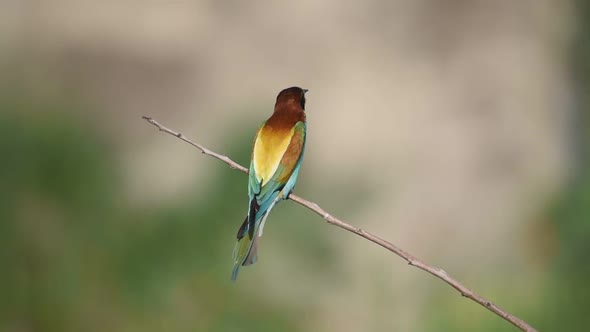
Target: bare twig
column 411, row 259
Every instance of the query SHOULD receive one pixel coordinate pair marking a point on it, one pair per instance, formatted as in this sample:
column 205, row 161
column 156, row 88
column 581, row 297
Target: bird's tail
column 246, row 249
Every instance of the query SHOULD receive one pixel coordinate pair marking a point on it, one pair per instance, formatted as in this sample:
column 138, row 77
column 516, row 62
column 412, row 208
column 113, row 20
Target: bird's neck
column 287, row 116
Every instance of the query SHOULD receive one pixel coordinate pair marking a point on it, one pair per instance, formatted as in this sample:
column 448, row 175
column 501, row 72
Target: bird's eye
column 303, row 100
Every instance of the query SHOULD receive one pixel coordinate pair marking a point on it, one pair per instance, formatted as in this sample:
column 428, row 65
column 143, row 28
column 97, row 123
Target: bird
column 277, row 154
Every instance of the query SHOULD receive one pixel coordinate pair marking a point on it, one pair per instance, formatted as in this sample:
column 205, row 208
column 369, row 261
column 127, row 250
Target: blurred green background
column 456, row 129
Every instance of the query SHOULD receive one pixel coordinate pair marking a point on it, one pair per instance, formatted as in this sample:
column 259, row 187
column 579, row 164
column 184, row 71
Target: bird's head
column 293, row 96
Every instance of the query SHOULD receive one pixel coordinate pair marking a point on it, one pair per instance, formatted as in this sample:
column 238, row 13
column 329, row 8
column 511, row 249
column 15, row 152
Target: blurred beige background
column 451, row 119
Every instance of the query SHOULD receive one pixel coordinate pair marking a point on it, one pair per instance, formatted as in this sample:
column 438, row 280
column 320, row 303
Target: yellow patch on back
column 269, row 148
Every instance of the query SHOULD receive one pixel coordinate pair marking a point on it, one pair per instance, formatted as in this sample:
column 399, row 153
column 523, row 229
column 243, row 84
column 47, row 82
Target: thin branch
column 411, row 259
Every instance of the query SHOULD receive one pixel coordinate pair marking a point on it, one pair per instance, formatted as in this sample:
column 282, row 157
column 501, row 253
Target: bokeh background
column 456, row 129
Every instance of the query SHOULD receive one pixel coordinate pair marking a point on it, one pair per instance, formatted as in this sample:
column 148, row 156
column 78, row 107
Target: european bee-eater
column 274, row 167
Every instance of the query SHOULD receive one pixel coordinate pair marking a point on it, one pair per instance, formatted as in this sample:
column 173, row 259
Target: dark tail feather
column 246, row 248
column 245, row 251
